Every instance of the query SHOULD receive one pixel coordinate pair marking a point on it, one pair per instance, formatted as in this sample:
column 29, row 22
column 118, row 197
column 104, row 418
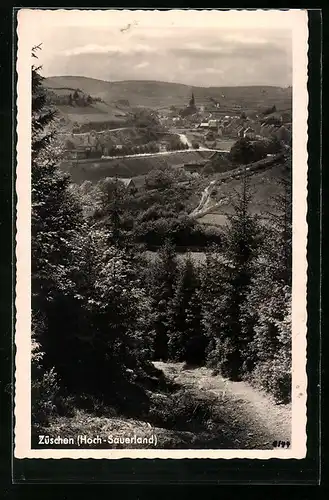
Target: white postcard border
column 297, row 20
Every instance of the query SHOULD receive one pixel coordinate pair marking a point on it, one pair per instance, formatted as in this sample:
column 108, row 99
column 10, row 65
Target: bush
column 225, row 358
column 44, row 389
column 275, row 377
column 184, row 410
column 245, row 151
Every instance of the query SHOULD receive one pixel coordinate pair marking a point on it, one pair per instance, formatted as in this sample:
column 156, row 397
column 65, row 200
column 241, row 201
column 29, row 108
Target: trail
column 251, row 417
column 206, row 203
column 200, row 411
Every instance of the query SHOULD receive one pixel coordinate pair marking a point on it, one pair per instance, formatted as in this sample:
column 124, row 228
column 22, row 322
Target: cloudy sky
column 201, row 49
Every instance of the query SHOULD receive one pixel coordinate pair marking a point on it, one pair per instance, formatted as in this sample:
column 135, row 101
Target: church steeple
column 192, row 101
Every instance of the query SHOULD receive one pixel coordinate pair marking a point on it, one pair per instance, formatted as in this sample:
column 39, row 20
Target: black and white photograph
column 161, row 241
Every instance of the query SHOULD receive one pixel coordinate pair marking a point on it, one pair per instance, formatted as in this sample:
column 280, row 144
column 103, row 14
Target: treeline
column 246, row 151
column 75, row 98
column 101, row 311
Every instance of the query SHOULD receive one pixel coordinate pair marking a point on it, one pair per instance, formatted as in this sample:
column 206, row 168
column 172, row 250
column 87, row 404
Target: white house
column 203, row 125
column 212, row 124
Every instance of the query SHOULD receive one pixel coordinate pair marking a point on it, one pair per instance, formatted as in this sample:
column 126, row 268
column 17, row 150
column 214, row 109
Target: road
column 161, row 153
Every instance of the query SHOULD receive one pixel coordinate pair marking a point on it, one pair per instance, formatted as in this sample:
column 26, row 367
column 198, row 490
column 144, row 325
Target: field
column 94, row 170
column 264, row 187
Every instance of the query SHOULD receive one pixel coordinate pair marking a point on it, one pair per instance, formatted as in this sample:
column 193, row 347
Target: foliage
column 44, row 387
column 162, row 279
column 245, row 151
column 270, row 110
column 90, row 312
column 187, row 342
column 240, row 246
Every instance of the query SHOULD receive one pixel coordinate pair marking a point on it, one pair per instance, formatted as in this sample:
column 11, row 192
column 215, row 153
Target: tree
column 186, row 340
column 111, row 213
column 56, row 224
column 159, row 179
column 245, row 151
column 268, row 308
column 162, row 283
column 240, row 249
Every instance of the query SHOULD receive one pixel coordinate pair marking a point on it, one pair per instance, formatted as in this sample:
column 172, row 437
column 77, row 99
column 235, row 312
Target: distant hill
column 155, row 94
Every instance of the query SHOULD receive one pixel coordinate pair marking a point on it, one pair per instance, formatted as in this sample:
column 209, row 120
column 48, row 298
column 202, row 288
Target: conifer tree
column 269, row 300
column 186, row 342
column 56, row 223
column 164, row 274
column 214, row 293
column 241, row 242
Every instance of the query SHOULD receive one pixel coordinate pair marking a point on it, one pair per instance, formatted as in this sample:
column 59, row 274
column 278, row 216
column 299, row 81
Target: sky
column 194, row 48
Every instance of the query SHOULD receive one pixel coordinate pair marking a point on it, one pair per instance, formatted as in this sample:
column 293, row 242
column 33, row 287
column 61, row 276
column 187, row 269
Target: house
column 266, row 130
column 212, row 124
column 129, row 183
column 241, row 131
column 283, row 134
column 76, row 154
column 256, row 126
column 249, row 133
column 203, row 125
column 195, row 166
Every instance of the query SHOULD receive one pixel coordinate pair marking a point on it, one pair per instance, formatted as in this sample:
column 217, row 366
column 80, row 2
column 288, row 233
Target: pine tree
column 187, row 342
column 162, row 286
column 214, row 293
column 241, row 242
column 269, row 300
column 56, row 221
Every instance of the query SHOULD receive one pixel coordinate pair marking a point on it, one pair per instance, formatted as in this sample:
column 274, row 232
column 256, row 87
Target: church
column 190, row 109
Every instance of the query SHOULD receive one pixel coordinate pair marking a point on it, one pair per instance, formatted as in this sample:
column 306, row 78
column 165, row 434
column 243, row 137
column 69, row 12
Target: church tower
column 192, row 101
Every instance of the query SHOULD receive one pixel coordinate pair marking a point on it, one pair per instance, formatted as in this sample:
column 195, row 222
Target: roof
column 125, row 181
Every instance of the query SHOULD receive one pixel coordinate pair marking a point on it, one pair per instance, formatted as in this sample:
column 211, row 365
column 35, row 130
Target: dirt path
column 200, row 411
column 252, row 417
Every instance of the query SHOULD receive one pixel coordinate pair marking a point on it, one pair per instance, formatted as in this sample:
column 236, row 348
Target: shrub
column 184, row 410
column 44, row 389
column 275, row 377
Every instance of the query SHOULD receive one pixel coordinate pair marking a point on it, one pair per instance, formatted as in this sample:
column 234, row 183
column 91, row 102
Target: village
column 211, row 126
column 214, row 124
